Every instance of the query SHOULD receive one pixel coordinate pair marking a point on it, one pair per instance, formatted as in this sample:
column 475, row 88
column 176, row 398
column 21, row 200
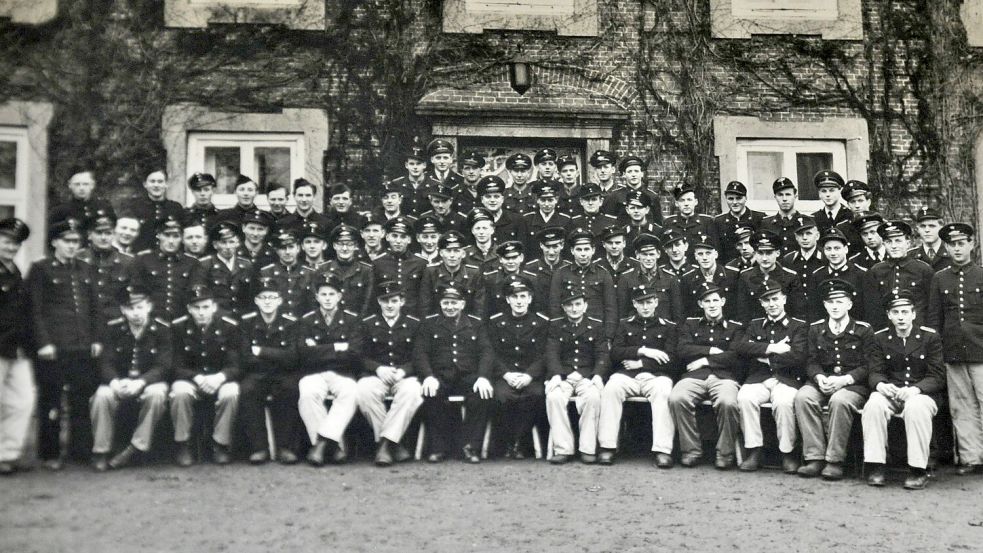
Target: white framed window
column 761, row 161
column 14, row 176
column 785, row 9
column 267, row 158
column 564, row 17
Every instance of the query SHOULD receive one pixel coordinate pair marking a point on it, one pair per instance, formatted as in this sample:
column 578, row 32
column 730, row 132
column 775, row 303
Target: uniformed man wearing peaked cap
column 206, row 369
column 928, row 222
column 471, row 165
column 735, row 195
column 257, row 230
column 908, row 378
column 550, row 242
column 357, row 274
column 293, row 279
column 587, row 277
column 649, row 272
column 632, row 169
column 837, row 377
column 544, row 213
column 111, row 268
column 17, row 397
column 604, row 164
column 135, row 367
column 742, row 235
column 767, row 246
column 399, row 265
column 708, row 269
column 835, row 248
column 166, row 271
column 830, row 184
column 203, row 211
column 226, row 272
column 388, row 370
column 686, row 220
column 899, row 271
column 870, row 249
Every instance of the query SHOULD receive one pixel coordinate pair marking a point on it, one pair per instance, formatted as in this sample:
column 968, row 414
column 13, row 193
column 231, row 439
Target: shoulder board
column 609, row 216
column 179, row 320
column 115, row 322
column 862, row 323
column 530, row 273
column 489, row 272
column 289, row 317
column 631, row 270
column 885, row 329
column 628, row 319
column 206, row 258
column 308, row 314
column 859, row 268
column 854, row 256
column 432, row 316
column 758, row 319
column 248, row 316
column 369, row 318
column 927, row 329
column 124, row 254
column 735, row 323
column 819, row 322
column 475, row 317
column 595, row 320
column 191, row 256
column 667, row 321
column 145, row 252
column 670, row 218
column 692, row 318
column 412, row 318
column 363, row 262
column 555, row 319
column 162, row 322
column 542, row 316
column 352, row 313
column 787, row 270
column 230, row 320
column 271, row 265
column 797, row 319
column 470, row 266
column 817, row 270
column 495, row 316
column 689, row 272
column 746, row 269
column 916, row 248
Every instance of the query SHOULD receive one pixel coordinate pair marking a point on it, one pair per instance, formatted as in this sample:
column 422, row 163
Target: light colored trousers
column 588, row 403
column 782, row 398
column 17, row 396
column 103, row 408
column 843, row 408
column 407, row 398
column 965, row 381
column 683, row 401
column 620, row 387
column 183, row 396
column 917, row 413
column 318, row 419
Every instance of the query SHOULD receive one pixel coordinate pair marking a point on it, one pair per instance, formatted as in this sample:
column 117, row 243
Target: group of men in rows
column 516, row 294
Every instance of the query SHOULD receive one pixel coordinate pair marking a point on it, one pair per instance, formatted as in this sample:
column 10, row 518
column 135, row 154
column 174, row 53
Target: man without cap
column 643, row 364
column 270, row 367
column 82, row 203
column 442, row 208
column 452, row 270
column 228, row 274
column 414, row 186
column 17, row 391
column 206, row 369
column 256, row 237
column 788, row 218
column 340, row 208
column 511, row 258
column 775, row 350
column 908, row 378
column 125, row 233
column 871, row 250
column 545, row 213
column 649, row 273
column 899, row 272
column 956, row 310
column 707, row 270
column 735, row 196
column 837, row 370
column 111, row 267
column 805, row 259
column 305, row 194
column 632, row 170
column 589, row 215
column 767, row 247
column 152, row 208
column 194, row 241
column 134, row 369
column 357, row 274
column 291, row 277
column 387, row 359
column 391, row 201
column 245, row 190
column 927, row 224
column 66, row 329
column 858, row 198
column 328, row 343
column 519, row 197
column 471, row 165
column 399, row 265
column 276, row 196
column 448, row 355
column 711, row 370
column 829, row 185
column 583, row 275
column 202, row 211
column 687, row 221
column 835, row 248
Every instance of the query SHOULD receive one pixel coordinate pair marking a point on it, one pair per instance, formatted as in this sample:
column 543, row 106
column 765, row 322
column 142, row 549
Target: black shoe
column 286, row 456
column 99, row 462
column 401, row 455
column 338, row 454
column 517, row 453
column 690, row 460
column 811, row 469
column 6, row 469
column 560, row 459
column 790, row 463
column 753, row 461
column 663, row 460
column 54, row 465
column 917, row 479
column 833, row 471
column 606, row 457
column 125, row 458
column 184, row 457
column 315, row 456
column 220, row 454
column 588, row 458
column 876, row 476
column 963, row 470
column 260, row 457
column 436, row 457
column 470, row 456
column 383, row 458
column 723, row 462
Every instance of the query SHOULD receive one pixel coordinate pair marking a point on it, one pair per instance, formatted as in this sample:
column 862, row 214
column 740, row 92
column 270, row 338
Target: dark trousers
column 75, row 370
column 282, row 388
column 443, row 418
column 517, row 410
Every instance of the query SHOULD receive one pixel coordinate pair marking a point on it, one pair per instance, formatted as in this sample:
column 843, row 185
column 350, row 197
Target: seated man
column 135, row 366
column 712, row 371
column 774, row 347
column 206, row 368
column 447, row 355
column 643, row 357
column 576, row 358
column 327, row 342
column 908, row 377
column 837, row 373
column 387, row 358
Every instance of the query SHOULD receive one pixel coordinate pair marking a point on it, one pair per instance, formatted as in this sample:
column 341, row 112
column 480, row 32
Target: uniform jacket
column 824, row 222
column 838, row 355
column 725, row 223
column 596, row 284
column 294, row 283
column 297, row 221
column 467, row 277
column 485, row 261
column 388, row 345
column 654, row 332
column 449, row 349
column 804, row 267
column 698, row 334
column 915, row 361
column 111, row 273
column 125, row 356
column 234, row 214
column 581, row 347
column 203, row 216
column 64, row 309
column 616, row 271
column 416, row 198
column 852, row 234
column 541, row 286
column 148, row 212
column 454, row 220
column 232, row 287
column 692, row 228
column 322, row 352
column 13, row 305
column 169, row 277
column 666, row 285
column 535, row 222
column 520, row 202
column 260, row 258
column 789, row 368
column 937, row 260
column 785, row 228
column 618, row 199
column 895, row 274
column 405, row 269
column 863, row 303
column 750, row 280
column 956, row 310
column 208, row 350
column 359, row 279
column 79, row 210
column 634, row 231
column 494, row 299
column 276, row 340
column 689, row 284
column 594, row 223
column 510, row 226
column 866, row 259
column 517, row 344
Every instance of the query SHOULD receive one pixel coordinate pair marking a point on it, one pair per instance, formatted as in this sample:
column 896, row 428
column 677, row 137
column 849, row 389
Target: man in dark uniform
column 593, row 281
column 743, row 232
column 775, row 349
column 340, row 211
column 305, row 193
column 784, row 223
column 899, row 272
column 837, row 371
column 225, row 272
column 16, row 380
column 313, row 245
column 481, row 231
column 637, row 220
column 687, row 221
column 632, row 170
column 871, row 250
column 467, row 192
column 357, row 274
column 443, row 209
column 293, row 279
column 152, row 208
column 202, row 211
column 545, row 213
column 111, row 267
column 427, row 230
column 194, row 239
column 735, row 194
column 676, row 247
column 711, row 370
column 520, row 197
column 649, row 273
column 441, row 153
column 399, row 265
column 766, row 269
column 511, row 258
column 166, row 271
column 392, row 198
column 328, row 342
column 835, row 249
column 908, row 378
column 245, row 192
column 927, row 223
column 257, row 229
column 448, row 355
column 805, row 260
column 135, row 367
column 707, row 270
column 387, row 357
column 83, row 204
column 546, row 161
column 829, row 184
column 605, row 167
column 589, row 215
column 643, row 363
column 956, row 310
column 452, row 271
column 270, row 366
column 373, row 240
column 550, row 241
column 276, row 196
column 509, row 225
column 613, row 258
column 858, row 197
column 415, row 184
column 515, row 363
column 206, row 369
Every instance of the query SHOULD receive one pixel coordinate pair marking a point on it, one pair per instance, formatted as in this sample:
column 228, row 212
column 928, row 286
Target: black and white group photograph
column 491, row 275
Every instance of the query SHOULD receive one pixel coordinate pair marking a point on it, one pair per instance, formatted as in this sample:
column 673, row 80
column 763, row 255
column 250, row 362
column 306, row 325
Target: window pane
column 272, row 167
column 807, row 165
column 6, row 211
column 225, row 164
column 762, row 169
column 8, row 165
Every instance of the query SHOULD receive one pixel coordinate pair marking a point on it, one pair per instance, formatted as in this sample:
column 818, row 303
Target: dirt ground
column 498, row 506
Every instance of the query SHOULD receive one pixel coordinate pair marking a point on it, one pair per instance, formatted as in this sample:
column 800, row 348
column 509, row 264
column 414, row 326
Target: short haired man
column 305, row 195
column 194, row 239
column 805, row 259
column 152, row 208
column 632, row 169
column 256, row 239
column 340, row 211
column 899, row 271
column 125, row 233
column 686, row 220
column 356, row 273
column 871, row 250
column 784, row 223
column 399, row 265
column 276, row 196
column 767, row 246
column 167, row 271
column 592, row 280
column 735, row 196
column 229, row 275
column 111, row 267
column 16, row 378
column 927, row 223
column 202, row 211
column 835, row 249
column 452, row 270
column 292, row 278
column 82, row 204
column 829, row 185
column 650, row 273
column 245, row 189
column 707, row 271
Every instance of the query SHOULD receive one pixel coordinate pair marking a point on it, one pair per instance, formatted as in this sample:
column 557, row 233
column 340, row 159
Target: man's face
column 137, row 314
column 246, row 194
column 897, row 246
column 398, row 241
column 961, row 250
column 391, row 201
column 575, row 309
column 428, row 241
column 327, row 297
column 807, row 238
column 706, row 258
column 859, row 203
column 648, row 259
column 713, row 306
column 614, row 246
column 774, row 304
column 637, row 213
column 511, row 263
column 156, row 185
column 288, row 254
column 203, row 195
column 766, row 258
column 278, row 200
column 633, row 176
column 268, row 302
column 452, row 257
column 519, row 302
column 547, row 204
column 520, row 176
column 202, row 312
column 547, row 169
column 451, row 307
column 483, row 231
column 441, row 162
column 391, row 306
column 313, row 247
column 902, row 317
column 686, row 204
column 605, row 172
column 341, row 202
column 8, row 248
column 835, row 252
column 744, row 248
column 67, row 245
column 735, row 202
column 837, row 308
column 101, row 239
column 255, row 233
column 677, row 251
column 344, row 249
column 569, row 174
column 194, row 239
column 870, row 237
column 830, row 195
column 582, row 253
column 304, row 196
column 441, row 205
column 551, row 250
column 415, row 168
column 785, row 198
column 81, row 185
column 492, row 201
column 169, row 242
column 928, row 230
column 471, row 173
column 591, row 204
column 646, row 307
column 126, row 230
column 372, row 236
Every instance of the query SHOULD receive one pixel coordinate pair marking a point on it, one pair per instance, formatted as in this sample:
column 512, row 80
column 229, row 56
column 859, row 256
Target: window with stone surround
column 830, row 19
column 971, row 13
column 768, row 9
column 29, row 12
column 565, row 17
column 308, row 15
column 496, row 150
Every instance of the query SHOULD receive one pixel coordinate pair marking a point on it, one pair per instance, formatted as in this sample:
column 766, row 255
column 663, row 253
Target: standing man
column 604, row 164
column 83, row 204
column 766, row 269
column 520, row 197
column 256, row 231
column 858, row 198
column 442, row 209
column 293, row 280
column 467, row 192
column 509, row 225
column 304, row 194
column 805, row 260
column 687, row 221
column 707, row 271
column 441, row 154
column 636, row 219
column 653, row 276
column 193, row 239
column 835, row 249
column 16, row 381
column 927, row 223
column 829, row 184
column 227, row 273
column 167, row 272
column 152, row 208
column 590, row 216
column 357, row 274
column 735, row 195
column 784, row 223
column 632, row 170
column 112, row 268
column 743, row 232
column 871, row 250
column 414, row 186
column 203, row 211
column 899, row 272
column 588, row 279
column 545, row 213
column 125, row 233
column 956, row 310
column 676, row 246
column 276, row 196
column 519, row 168
column 399, row 265
column 550, row 241
column 452, row 271
column 340, row 211
column 245, row 191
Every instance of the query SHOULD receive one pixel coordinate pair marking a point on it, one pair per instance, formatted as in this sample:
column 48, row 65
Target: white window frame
column 18, row 196
column 520, row 7
column 785, row 9
column 762, row 199
column 246, row 142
